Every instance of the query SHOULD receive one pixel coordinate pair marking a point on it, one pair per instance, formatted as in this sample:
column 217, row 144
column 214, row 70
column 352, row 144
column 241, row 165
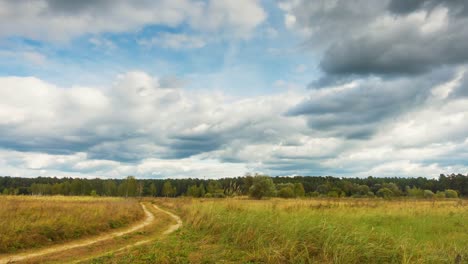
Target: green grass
column 310, row 231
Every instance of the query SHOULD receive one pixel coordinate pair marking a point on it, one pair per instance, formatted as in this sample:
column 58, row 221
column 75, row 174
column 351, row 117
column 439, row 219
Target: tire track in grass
column 149, row 218
column 168, row 231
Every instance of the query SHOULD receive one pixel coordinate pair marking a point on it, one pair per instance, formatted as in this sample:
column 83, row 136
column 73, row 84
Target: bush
column 415, row 192
column 440, row 194
column 262, row 186
column 449, row 193
column 313, row 194
column 219, row 195
column 384, row 193
column 286, row 192
column 299, row 190
column 428, row 194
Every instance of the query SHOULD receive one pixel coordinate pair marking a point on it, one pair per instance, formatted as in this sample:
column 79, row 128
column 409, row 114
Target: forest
column 257, row 186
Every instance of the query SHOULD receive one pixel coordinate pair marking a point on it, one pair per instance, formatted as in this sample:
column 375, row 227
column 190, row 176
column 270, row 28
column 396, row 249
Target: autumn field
column 241, row 230
column 38, row 221
column 309, row 231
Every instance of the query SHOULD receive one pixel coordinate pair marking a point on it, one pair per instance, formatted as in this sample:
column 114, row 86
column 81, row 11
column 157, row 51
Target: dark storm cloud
column 355, row 112
column 406, row 52
column 405, row 6
column 73, row 7
column 383, row 38
column 462, row 89
column 185, row 146
column 457, row 7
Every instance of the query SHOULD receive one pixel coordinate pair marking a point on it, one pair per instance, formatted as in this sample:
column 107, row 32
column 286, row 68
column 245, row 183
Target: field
column 238, row 230
column 31, row 222
column 310, row 231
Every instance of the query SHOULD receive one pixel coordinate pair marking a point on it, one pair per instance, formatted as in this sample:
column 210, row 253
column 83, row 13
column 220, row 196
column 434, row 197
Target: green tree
column 110, row 188
column 193, row 191
column 299, row 189
column 393, row 188
column 262, row 186
column 130, row 186
column 168, row 190
column 153, row 189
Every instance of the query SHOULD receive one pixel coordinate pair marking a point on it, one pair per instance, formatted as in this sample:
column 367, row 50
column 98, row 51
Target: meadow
column 310, row 231
column 39, row 221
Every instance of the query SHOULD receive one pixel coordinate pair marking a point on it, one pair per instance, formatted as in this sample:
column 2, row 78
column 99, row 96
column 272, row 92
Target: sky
column 220, row 88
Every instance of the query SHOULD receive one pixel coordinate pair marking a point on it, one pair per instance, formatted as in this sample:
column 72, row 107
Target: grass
column 31, row 222
column 310, row 231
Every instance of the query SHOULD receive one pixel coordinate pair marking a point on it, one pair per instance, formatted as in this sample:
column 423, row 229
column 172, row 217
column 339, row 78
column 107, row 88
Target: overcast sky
column 219, row 88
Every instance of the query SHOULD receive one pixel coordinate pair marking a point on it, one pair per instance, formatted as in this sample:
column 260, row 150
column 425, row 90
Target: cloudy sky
column 218, row 88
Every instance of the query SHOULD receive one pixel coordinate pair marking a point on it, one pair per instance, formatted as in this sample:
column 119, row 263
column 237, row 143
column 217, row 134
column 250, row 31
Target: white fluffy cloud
column 62, row 20
column 136, row 126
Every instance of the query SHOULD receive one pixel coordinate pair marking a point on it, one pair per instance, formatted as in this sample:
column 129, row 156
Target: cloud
column 175, row 41
column 381, row 38
column 458, row 7
column 29, row 57
column 137, row 126
column 356, row 109
column 53, row 20
column 103, row 43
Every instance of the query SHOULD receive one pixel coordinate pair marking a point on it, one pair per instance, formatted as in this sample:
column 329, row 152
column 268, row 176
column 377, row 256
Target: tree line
column 256, row 186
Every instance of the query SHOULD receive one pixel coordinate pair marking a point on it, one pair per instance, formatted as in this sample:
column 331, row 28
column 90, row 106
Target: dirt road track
column 149, row 218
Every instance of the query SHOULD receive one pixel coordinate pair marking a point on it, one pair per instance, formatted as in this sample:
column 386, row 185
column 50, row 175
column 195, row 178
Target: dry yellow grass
column 312, row 231
column 31, row 222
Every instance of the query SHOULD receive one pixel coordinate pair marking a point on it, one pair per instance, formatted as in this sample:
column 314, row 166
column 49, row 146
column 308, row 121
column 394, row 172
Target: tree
column 299, row 189
column 262, row 186
column 153, row 189
column 193, row 191
column 129, row 187
column 232, row 189
column 323, row 188
column 168, row 190
column 393, row 188
column 110, row 188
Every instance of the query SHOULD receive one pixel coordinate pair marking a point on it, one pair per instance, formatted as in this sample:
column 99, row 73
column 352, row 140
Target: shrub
column 262, row 186
column 384, row 193
column 219, row 195
column 449, row 193
column 286, row 192
column 313, row 194
column 428, row 194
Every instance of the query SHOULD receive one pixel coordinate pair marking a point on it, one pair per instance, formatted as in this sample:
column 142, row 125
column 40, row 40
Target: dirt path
column 174, row 227
column 149, row 218
column 169, row 230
